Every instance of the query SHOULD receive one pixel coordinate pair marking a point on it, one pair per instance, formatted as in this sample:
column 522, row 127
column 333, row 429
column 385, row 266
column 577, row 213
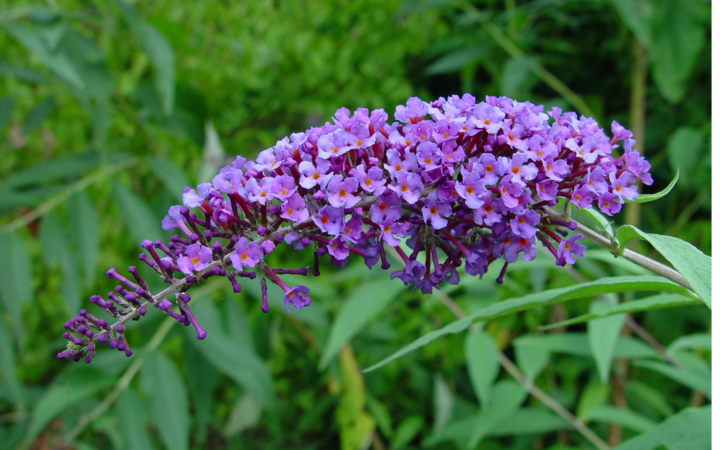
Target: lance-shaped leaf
column 690, row 428
column 645, row 198
column 168, row 400
column 15, row 279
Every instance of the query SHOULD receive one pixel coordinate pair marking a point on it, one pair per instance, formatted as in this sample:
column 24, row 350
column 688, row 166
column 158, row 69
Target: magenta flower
column 247, row 254
column 408, row 186
column 293, row 209
column 436, row 211
column 341, row 192
column 371, row 181
column 196, row 258
column 569, row 249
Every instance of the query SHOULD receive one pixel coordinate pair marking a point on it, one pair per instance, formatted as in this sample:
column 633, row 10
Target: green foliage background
column 107, row 110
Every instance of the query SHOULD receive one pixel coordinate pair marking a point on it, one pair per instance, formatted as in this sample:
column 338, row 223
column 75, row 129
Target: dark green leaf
column 529, row 421
column 171, row 175
column 577, row 344
column 603, row 335
column 75, row 386
column 168, row 399
column 685, row 147
column 7, row 367
column 455, row 61
column 56, row 250
column 654, row 302
column 677, row 38
column 692, row 341
column 693, row 264
column 531, row 360
column 202, row 381
column 406, row 432
column 649, row 396
column 15, row 279
column 23, row 74
column 85, row 227
column 684, row 377
column 132, row 413
column 138, row 217
column 637, row 15
column 590, row 289
column 361, row 305
column 505, row 399
column 690, row 428
column 645, row 198
column 7, row 105
column 626, row 418
column 58, row 63
column 481, row 354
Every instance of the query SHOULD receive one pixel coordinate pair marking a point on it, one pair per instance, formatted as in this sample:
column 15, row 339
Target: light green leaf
column 76, row 385
column 529, row 421
column 7, row 367
column 245, row 414
column 590, row 289
column 7, row 105
column 506, row 398
column 162, row 57
column 406, row 431
column 56, row 250
column 15, row 279
column 685, row 147
column 577, row 344
column 594, row 395
column 360, row 306
column 646, row 304
column 685, row 377
column 168, row 399
column 693, row 264
column 600, row 220
column 677, row 38
column 531, row 360
column 453, row 62
column 481, row 354
column 58, row 63
column 688, row 429
column 637, row 15
column 85, row 227
column 603, row 335
column 443, row 401
column 132, row 413
column 645, row 198
column 171, row 175
column 692, row 341
column 213, row 154
column 138, row 217
column 626, row 418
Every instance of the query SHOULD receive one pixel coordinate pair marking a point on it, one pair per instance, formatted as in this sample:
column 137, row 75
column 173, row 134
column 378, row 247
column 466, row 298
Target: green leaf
column 58, row 63
column 646, row 304
column 171, row 175
column 168, row 400
column 685, row 147
column 56, row 250
column 453, row 62
column 15, row 279
column 76, row 385
column 245, row 414
column 577, row 344
column 685, row 377
column 37, row 115
column 443, row 402
column 162, row 56
column 202, row 381
column 529, row 421
column 531, row 360
column 677, row 38
column 22, row 73
column 645, row 198
column 637, row 15
column 85, row 228
column 7, row 367
column 481, row 354
column 132, row 413
column 603, row 335
column 690, row 428
column 626, row 418
column 599, row 219
column 360, row 306
column 692, row 341
column 7, row 105
column 506, row 398
column 406, row 432
column 649, row 396
column 138, row 217
column 590, row 289
column 230, row 357
column 594, row 395
column 213, row 154
column 693, row 264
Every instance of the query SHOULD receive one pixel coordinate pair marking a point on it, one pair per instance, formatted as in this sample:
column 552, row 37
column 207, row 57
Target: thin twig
column 60, row 198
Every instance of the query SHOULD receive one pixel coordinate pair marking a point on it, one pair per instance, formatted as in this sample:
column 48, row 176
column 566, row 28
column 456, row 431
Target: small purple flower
column 595, row 181
column 311, row 176
column 341, row 192
column 476, row 263
column 193, row 200
column 414, row 112
column 547, row 190
column 352, row 230
column 568, row 249
column 471, row 189
column 511, row 246
column 175, row 220
column 246, row 254
column 619, row 132
column 490, row 212
column 267, row 159
column 293, row 209
column 489, row 168
column 389, row 229
column 555, row 169
column 524, row 225
column 435, row 211
column 451, row 153
column 510, row 191
column 609, row 204
column 259, row 192
column 229, row 180
column 619, row 187
column 282, row 187
column 428, row 155
column 582, row 196
column 387, row 207
column 338, row 248
column 411, row 274
column 371, row 181
column 396, row 163
column 520, row 171
column 297, row 297
column 196, row 258
column 331, row 145
column 330, row 220
column 408, row 186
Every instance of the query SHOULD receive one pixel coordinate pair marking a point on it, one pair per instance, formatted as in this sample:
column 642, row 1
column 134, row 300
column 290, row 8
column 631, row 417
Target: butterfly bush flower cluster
column 461, row 184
